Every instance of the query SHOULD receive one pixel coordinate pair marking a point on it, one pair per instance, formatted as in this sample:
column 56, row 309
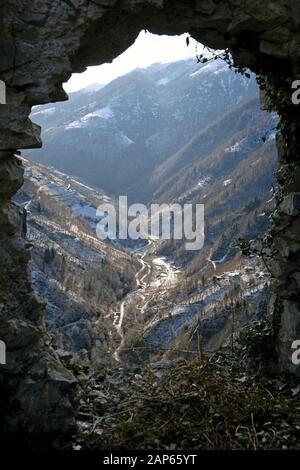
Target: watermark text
column 296, row 353
column 159, row 222
column 2, row 92
column 2, row 353
column 296, row 94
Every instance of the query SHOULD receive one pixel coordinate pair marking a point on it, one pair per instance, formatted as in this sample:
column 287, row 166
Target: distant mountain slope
column 103, row 303
column 116, row 137
column 79, row 277
column 214, row 149
column 238, row 205
column 179, row 132
column 232, row 176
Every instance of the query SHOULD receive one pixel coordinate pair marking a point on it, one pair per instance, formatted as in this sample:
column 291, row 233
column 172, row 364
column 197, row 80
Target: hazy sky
column 147, row 49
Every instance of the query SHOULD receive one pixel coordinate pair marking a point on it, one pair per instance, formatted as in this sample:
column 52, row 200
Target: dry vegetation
column 231, row 401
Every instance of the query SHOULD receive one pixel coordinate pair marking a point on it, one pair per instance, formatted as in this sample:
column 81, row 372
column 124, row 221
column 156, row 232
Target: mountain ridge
column 117, row 136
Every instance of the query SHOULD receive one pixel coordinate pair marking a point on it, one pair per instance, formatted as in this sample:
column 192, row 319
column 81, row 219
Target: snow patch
column 84, row 211
column 271, row 137
column 221, row 70
column 102, row 113
column 124, row 140
column 163, row 81
column 210, row 67
column 202, row 182
column 47, row 111
column 235, row 147
column 233, row 274
column 74, row 125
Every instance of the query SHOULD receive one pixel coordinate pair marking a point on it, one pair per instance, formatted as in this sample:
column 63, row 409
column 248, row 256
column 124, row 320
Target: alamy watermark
column 2, row 92
column 296, row 353
column 2, row 353
column 160, row 221
column 296, row 94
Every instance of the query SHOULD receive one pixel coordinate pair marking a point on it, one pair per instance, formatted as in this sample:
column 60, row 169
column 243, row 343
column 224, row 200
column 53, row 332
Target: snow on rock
column 210, row 67
column 124, row 140
column 74, row 125
column 46, row 111
column 203, row 182
column 272, row 136
column 85, row 211
column 233, row 274
column 227, row 182
column 102, row 113
column 65, row 189
column 163, row 81
column 235, row 147
column 221, row 70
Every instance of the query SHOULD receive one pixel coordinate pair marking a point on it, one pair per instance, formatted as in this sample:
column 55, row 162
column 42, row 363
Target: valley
column 134, row 302
column 108, row 303
column 155, row 275
column 149, row 228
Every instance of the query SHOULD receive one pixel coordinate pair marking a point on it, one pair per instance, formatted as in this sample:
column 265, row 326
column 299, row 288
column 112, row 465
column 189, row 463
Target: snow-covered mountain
column 104, row 302
column 116, row 137
column 178, row 132
column 79, row 277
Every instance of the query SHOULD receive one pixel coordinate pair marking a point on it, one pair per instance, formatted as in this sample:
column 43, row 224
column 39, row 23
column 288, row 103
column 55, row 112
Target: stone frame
column 41, row 46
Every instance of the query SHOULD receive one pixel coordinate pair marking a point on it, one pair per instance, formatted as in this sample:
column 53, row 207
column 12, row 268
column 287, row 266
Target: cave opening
column 167, row 122
column 73, row 38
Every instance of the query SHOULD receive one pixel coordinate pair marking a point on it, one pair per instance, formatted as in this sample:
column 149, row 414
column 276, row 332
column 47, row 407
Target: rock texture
column 35, row 392
column 42, row 43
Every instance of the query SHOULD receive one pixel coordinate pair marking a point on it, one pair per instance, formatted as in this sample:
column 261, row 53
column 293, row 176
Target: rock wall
column 41, row 44
column 35, row 389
